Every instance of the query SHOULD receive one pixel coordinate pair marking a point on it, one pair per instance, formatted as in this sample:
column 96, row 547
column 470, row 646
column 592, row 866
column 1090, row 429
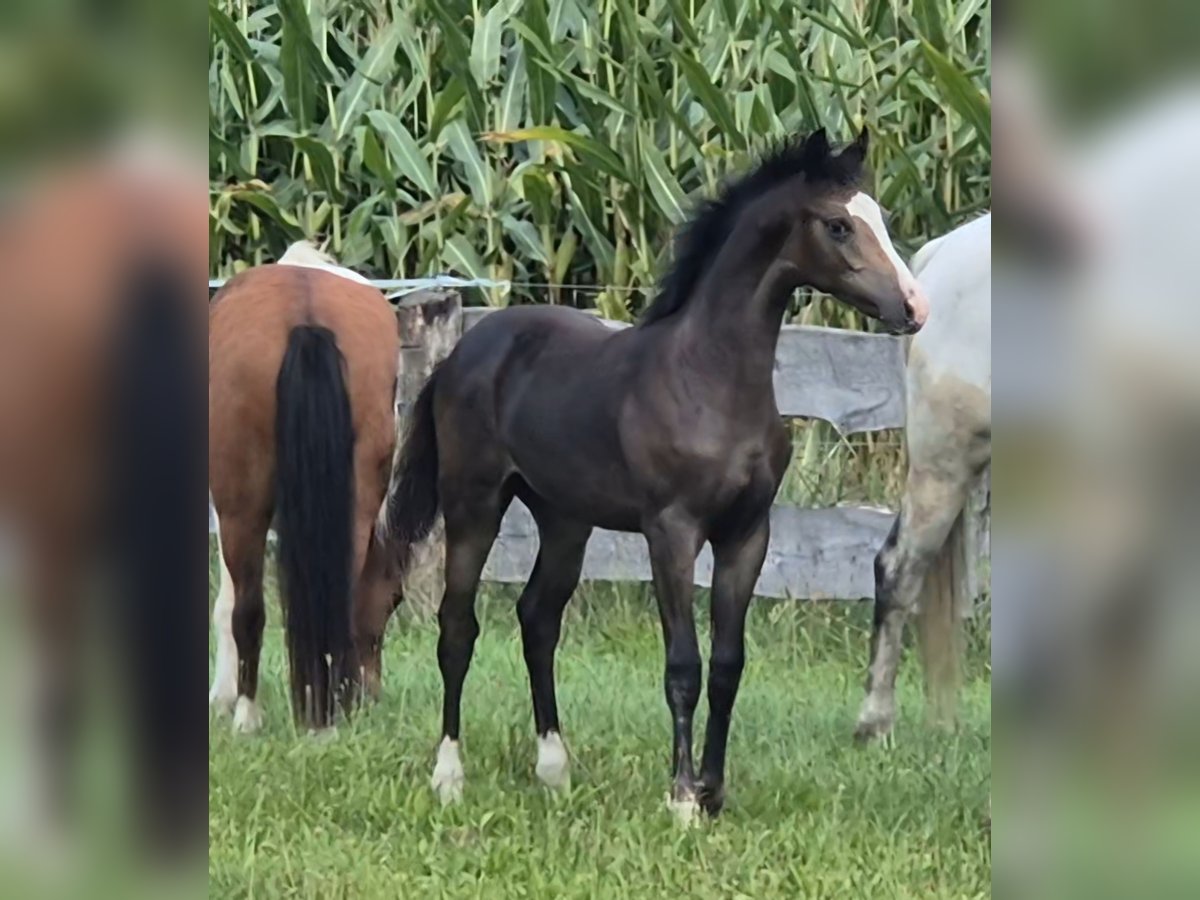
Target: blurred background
column 102, row 397
column 1097, row 114
column 350, row 122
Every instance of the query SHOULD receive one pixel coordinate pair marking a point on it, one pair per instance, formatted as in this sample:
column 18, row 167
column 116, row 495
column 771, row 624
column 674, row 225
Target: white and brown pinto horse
column 302, row 377
column 948, row 432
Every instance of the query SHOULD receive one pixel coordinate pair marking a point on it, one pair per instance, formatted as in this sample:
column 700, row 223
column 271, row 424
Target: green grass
column 809, row 815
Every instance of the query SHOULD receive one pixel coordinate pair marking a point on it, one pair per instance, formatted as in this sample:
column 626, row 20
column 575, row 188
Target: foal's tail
column 314, row 439
column 412, row 500
column 939, row 623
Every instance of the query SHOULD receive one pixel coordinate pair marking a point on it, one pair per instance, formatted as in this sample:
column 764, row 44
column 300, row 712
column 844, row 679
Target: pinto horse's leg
column 471, row 528
column 737, row 564
column 540, row 609
column 674, row 544
column 932, row 501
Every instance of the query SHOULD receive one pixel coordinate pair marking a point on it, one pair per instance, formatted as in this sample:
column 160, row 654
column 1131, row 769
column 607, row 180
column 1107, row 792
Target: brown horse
column 101, row 394
column 302, row 376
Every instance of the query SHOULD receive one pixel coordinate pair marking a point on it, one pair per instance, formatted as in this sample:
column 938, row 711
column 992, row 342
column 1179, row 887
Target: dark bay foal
column 669, row 429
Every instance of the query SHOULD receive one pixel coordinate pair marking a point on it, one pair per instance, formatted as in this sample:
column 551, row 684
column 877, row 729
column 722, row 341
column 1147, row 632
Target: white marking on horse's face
column 448, row 775
column 223, row 694
column 863, row 207
column 552, row 764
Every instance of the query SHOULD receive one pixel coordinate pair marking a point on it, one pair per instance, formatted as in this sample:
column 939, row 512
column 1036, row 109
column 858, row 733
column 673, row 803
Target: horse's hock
column 430, row 324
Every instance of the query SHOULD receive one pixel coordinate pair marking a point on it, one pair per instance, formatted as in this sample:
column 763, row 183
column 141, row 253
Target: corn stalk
column 559, row 142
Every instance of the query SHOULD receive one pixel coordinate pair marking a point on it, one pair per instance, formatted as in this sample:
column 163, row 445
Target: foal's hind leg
column 932, row 501
column 555, row 576
column 471, row 526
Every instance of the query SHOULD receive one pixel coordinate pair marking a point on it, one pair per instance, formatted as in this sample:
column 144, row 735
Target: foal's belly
column 571, row 488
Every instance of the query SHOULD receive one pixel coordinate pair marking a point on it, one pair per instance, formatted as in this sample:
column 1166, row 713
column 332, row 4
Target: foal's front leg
column 540, row 609
column 737, row 564
column 674, row 541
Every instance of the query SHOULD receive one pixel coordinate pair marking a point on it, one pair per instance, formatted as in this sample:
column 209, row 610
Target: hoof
column 372, row 687
column 553, row 767
column 872, row 730
column 247, row 716
column 221, row 699
column 685, row 809
column 874, row 720
column 712, row 799
column 448, row 777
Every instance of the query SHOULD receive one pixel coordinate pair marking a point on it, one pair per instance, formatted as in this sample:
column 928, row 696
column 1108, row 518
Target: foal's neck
column 738, row 310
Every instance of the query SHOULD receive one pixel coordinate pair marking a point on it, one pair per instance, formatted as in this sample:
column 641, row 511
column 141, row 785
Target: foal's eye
column 839, row 229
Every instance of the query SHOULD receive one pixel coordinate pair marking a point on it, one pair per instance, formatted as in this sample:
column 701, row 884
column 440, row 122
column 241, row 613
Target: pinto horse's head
column 840, row 244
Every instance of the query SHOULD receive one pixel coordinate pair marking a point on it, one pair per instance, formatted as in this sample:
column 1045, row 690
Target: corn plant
column 558, row 143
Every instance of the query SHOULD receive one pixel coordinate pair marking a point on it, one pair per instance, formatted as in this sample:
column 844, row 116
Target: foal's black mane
column 700, row 240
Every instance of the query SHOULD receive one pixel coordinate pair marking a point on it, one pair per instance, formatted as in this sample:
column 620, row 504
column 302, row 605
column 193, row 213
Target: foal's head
column 836, row 237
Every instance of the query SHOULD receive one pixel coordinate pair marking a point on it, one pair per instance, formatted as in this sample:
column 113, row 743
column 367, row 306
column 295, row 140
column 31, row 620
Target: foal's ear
column 816, row 150
column 856, row 153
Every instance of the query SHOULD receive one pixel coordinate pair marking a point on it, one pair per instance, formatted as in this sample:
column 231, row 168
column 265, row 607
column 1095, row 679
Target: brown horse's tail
column 314, row 475
column 156, row 531
column 939, row 624
column 412, row 500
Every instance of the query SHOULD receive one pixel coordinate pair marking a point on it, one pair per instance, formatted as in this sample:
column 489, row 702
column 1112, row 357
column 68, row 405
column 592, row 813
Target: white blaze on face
column 867, row 210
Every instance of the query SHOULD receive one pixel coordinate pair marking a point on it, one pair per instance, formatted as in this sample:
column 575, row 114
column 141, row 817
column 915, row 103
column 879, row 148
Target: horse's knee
column 888, row 562
column 885, row 558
